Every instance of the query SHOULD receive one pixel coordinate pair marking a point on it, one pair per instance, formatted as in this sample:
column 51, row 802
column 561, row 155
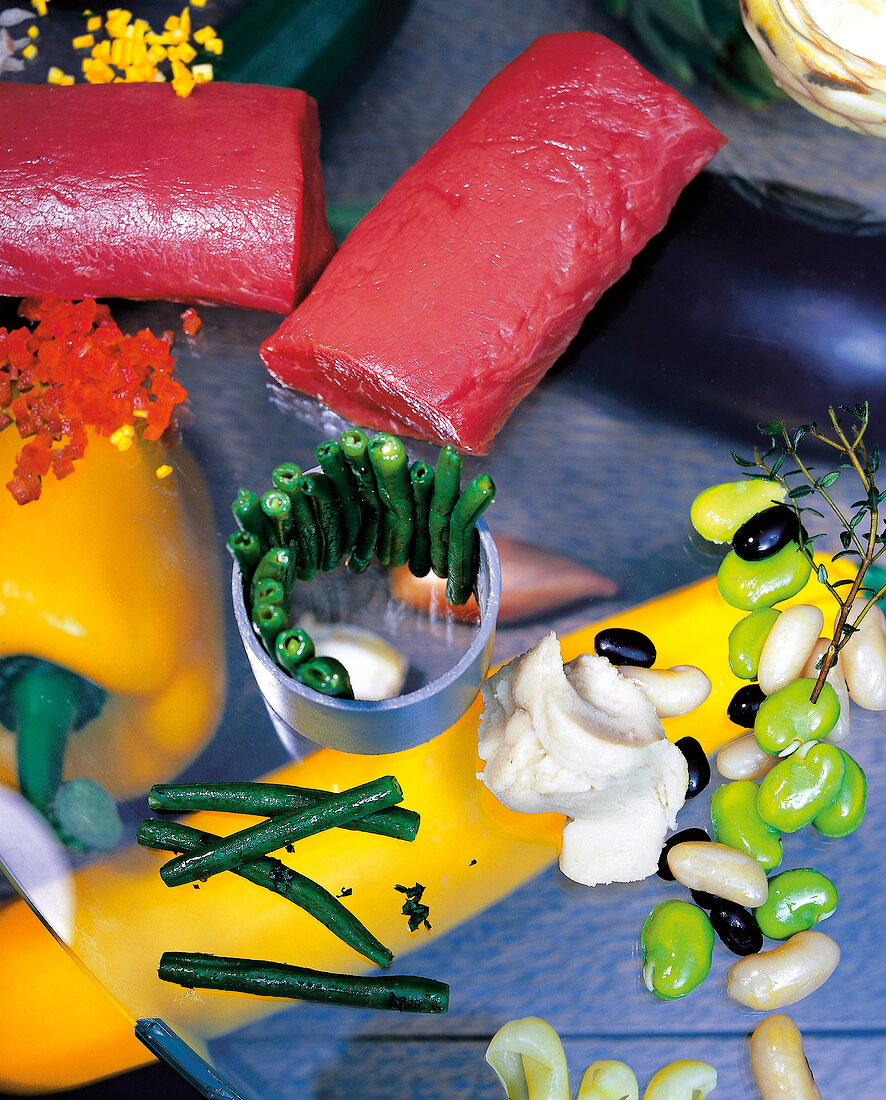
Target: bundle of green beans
column 367, row 500
column 290, row 813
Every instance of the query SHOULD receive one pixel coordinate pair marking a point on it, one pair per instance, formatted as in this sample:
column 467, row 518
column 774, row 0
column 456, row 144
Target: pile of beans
column 784, row 773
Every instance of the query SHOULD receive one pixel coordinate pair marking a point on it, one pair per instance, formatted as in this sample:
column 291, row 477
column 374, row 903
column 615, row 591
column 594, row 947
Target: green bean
column 271, row 799
column 463, row 539
column 268, row 836
column 277, row 509
column 275, row 876
column 248, row 514
column 292, row 648
column 447, row 482
column 246, row 550
column 355, row 447
column 269, row 619
column 276, row 565
column 320, row 490
column 421, row 480
column 270, row 591
column 401, row 992
column 332, row 463
column 750, row 585
column 287, row 478
column 326, row 675
column 737, row 822
column 797, row 900
column 391, row 465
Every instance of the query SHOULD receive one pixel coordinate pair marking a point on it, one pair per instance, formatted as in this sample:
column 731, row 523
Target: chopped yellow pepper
column 122, row 900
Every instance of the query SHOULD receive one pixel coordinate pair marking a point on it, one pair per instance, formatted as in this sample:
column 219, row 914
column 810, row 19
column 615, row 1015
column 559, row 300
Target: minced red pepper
column 75, row 370
column 191, row 322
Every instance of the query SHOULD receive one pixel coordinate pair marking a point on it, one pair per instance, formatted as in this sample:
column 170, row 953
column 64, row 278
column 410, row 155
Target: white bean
column 684, row 1080
column 719, row 870
column 744, row 759
column 838, row 682
column 788, row 645
column 779, row 1061
column 864, row 660
column 672, row 691
column 785, row 975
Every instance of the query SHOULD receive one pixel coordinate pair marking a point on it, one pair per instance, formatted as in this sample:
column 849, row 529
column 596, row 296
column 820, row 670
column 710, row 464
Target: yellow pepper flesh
column 122, row 901
column 113, row 573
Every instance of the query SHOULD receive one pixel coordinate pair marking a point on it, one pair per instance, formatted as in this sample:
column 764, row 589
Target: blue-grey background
column 735, row 314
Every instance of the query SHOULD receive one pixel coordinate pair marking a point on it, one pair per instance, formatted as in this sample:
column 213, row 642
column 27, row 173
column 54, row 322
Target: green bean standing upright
column 391, row 465
column 277, row 510
column 287, row 478
column 278, row 564
column 292, row 648
column 246, row 550
column 447, row 483
column 463, row 539
column 355, row 447
column 332, row 463
column 247, row 512
column 319, row 488
column 421, row 478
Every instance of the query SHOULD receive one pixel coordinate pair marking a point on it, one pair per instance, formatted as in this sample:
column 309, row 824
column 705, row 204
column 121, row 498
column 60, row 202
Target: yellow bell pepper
column 122, row 901
column 113, row 574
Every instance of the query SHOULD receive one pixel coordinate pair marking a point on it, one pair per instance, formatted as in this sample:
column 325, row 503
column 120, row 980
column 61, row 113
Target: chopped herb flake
column 413, row 907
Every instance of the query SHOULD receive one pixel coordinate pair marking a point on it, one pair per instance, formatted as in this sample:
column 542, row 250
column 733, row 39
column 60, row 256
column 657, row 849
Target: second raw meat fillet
column 457, row 292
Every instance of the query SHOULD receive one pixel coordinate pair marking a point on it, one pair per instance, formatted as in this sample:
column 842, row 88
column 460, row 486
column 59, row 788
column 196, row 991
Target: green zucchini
column 321, row 46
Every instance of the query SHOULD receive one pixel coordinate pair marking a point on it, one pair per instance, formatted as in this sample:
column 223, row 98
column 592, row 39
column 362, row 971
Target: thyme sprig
column 860, row 533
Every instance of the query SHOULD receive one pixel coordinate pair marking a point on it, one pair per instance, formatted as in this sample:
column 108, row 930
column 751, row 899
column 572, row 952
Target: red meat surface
column 455, row 294
column 130, row 191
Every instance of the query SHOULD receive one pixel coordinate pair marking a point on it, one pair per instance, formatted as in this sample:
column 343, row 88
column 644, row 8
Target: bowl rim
column 488, row 597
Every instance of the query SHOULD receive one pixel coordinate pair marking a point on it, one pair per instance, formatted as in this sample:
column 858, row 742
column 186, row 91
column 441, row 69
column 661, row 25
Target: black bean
column 685, row 834
column 705, row 900
column 697, row 763
column 743, row 706
column 737, row 928
column 766, row 533
column 622, row 646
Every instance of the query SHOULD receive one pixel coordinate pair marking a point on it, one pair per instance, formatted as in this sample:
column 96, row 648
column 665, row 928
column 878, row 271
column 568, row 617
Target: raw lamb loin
column 130, row 191
column 456, row 293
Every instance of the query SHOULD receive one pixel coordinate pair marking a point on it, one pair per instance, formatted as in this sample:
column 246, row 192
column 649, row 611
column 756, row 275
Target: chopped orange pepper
column 75, row 371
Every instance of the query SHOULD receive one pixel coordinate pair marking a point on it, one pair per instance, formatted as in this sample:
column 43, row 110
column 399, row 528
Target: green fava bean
column 736, row 821
column 800, row 787
column 750, row 585
column 746, row 641
column 797, row 900
column 677, row 944
column 718, row 512
column 788, row 717
column 846, row 812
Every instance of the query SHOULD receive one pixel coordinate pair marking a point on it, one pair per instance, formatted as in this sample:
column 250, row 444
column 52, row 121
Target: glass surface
column 733, row 316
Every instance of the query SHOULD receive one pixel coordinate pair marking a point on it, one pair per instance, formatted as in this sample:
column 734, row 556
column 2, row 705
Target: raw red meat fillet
column 130, row 191
column 457, row 292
